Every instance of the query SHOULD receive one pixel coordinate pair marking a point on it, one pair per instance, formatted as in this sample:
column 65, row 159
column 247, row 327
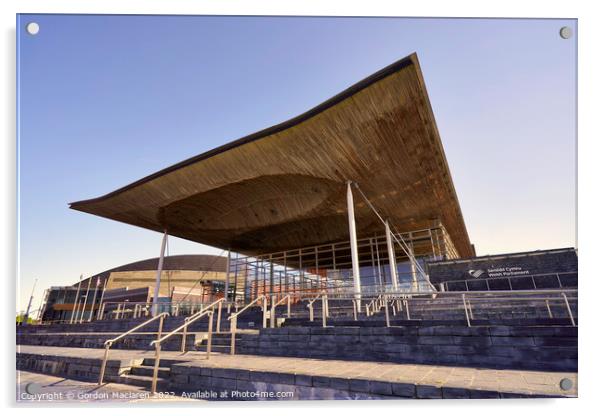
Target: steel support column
column 392, row 261
column 353, row 240
column 227, row 283
column 81, row 319
column 102, row 296
column 413, row 269
column 26, row 317
column 74, row 311
column 158, row 278
column 94, row 299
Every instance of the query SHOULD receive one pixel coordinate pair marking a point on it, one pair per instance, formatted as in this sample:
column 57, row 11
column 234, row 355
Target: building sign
column 543, row 268
column 499, row 272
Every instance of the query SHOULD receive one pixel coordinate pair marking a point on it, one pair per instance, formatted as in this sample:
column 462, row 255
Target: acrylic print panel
column 308, row 208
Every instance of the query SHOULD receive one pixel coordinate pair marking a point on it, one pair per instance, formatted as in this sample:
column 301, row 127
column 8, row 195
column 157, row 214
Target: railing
column 472, row 305
column 485, row 303
column 325, row 309
column 274, row 304
column 233, row 318
column 126, row 310
column 310, row 305
column 110, row 342
column 208, row 310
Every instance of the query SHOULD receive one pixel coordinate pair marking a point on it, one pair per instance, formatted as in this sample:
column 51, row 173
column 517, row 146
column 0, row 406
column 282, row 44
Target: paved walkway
column 41, row 388
column 507, row 381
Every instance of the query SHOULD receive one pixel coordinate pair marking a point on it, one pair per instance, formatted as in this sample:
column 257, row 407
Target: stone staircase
column 528, row 346
column 220, row 341
column 141, row 375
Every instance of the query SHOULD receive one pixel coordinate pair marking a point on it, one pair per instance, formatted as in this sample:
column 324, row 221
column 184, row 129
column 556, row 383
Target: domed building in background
column 185, row 279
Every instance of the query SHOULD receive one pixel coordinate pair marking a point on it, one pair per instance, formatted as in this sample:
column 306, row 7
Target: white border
column 588, row 172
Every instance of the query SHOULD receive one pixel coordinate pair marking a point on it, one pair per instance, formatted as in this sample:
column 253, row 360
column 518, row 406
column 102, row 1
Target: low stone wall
column 88, row 340
column 240, row 384
column 550, row 348
column 79, row 368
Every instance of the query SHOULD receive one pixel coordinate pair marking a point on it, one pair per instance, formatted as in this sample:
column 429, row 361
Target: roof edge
column 411, row 59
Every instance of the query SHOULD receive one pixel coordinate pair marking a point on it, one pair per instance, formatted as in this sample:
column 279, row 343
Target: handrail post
column 160, row 330
column 465, row 309
column 184, row 335
column 288, row 306
column 407, row 303
column 354, row 309
column 156, row 367
column 323, row 311
column 470, row 309
column 233, row 334
column 273, row 312
column 210, row 330
column 101, row 311
column 103, row 366
column 265, row 310
column 218, row 324
column 568, row 308
column 549, row 310
column 386, row 303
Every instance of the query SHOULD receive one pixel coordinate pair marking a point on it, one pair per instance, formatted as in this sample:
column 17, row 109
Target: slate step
column 141, row 381
column 214, row 348
column 165, row 363
column 221, row 339
column 147, row 370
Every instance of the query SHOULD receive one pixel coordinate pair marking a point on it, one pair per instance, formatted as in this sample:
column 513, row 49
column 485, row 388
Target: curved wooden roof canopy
column 284, row 187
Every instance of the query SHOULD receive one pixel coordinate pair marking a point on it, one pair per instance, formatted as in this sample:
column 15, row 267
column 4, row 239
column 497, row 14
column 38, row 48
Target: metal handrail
column 235, row 314
column 273, row 309
column 334, row 294
column 211, row 305
column 208, row 310
column 468, row 301
column 233, row 318
column 310, row 305
column 108, row 343
column 189, row 320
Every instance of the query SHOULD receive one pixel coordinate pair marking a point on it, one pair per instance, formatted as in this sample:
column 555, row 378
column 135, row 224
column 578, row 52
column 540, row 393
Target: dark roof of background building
column 195, row 262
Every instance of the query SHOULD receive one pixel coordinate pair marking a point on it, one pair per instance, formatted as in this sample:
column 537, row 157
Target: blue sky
column 106, row 100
